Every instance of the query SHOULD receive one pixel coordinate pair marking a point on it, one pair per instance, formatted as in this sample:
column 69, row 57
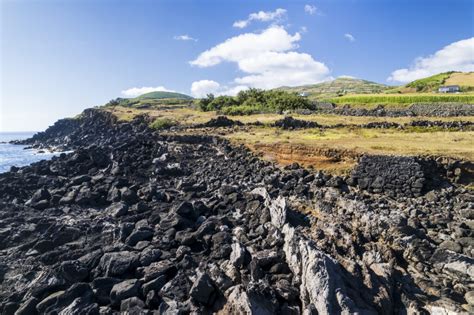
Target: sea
column 18, row 155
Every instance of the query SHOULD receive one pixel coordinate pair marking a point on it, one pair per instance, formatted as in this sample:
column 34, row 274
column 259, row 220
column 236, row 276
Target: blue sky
column 59, row 57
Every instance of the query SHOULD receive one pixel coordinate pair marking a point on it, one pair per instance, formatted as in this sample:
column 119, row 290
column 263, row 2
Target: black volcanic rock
column 136, row 221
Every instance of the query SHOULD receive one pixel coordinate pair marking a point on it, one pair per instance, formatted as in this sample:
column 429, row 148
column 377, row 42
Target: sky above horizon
column 60, row 57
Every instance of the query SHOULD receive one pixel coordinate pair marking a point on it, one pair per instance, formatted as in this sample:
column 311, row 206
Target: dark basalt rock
column 139, row 222
column 220, row 121
column 292, row 123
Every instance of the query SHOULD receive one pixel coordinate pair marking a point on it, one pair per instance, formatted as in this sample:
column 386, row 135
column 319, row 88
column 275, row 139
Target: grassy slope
column 338, row 87
column 164, row 95
column 362, row 92
column 431, row 84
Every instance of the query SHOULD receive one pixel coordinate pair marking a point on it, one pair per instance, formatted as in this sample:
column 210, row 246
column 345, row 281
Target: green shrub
column 253, row 101
column 162, row 123
column 241, row 110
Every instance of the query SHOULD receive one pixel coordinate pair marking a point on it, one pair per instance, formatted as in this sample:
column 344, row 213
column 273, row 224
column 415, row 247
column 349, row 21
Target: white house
column 449, row 89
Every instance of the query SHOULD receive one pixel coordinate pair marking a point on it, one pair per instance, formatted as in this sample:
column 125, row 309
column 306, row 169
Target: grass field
column 189, row 116
column 375, row 141
column 461, row 79
column 401, row 99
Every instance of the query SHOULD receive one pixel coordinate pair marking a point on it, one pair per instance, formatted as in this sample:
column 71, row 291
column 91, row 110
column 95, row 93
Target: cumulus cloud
column 349, row 37
column 272, row 69
column 263, row 16
column 203, row 87
column 133, row 92
column 310, row 9
column 458, row 56
column 268, row 59
column 274, row 38
column 185, row 37
column 344, row 76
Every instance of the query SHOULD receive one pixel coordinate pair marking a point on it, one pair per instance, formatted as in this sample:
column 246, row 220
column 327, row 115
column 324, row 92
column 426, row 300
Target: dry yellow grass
column 188, row 116
column 374, row 141
column 461, row 79
column 309, row 146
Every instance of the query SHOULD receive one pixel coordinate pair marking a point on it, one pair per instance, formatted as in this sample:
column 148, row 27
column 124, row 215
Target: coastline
column 195, row 223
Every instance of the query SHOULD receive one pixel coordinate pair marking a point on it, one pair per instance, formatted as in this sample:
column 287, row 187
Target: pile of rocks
column 291, row 123
column 220, row 121
column 457, row 125
column 139, row 222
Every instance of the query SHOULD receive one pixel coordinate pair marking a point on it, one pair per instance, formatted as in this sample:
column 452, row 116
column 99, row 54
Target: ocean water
column 17, row 155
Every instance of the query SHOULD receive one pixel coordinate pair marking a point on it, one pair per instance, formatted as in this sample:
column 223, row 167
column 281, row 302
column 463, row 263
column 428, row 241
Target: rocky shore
column 138, row 222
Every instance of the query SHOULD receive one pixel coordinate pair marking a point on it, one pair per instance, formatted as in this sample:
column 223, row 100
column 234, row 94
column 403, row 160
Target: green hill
column 465, row 80
column 338, row 87
column 158, row 95
column 154, row 100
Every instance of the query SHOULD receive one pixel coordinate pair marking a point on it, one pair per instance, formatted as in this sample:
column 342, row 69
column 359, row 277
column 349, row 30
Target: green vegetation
column 162, row 123
column 338, row 87
column 430, row 84
column 157, row 95
column 152, row 99
column 402, row 99
column 254, row 101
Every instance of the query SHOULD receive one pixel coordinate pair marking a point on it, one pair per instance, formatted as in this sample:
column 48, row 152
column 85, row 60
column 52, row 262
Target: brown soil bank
column 327, row 159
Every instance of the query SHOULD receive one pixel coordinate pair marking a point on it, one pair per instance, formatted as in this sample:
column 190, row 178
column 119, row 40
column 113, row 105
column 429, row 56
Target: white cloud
column 133, row 92
column 349, row 37
column 273, row 69
column 264, row 16
column 267, row 59
column 185, row 37
column 203, row 87
column 232, row 91
column 458, row 56
column 310, row 9
column 346, row 77
column 274, row 38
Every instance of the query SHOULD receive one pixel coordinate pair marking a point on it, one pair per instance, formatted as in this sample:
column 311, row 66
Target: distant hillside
column 338, row 87
column 431, row 84
column 153, row 99
column 158, row 95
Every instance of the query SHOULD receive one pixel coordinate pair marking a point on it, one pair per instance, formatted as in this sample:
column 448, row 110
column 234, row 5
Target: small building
column 449, row 89
column 304, row 94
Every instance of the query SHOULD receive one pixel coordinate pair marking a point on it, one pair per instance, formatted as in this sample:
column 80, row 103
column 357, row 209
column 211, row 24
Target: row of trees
column 254, row 101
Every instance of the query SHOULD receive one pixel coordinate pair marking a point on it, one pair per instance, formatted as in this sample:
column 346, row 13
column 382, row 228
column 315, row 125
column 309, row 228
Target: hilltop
column 338, row 87
column 163, row 95
column 153, row 99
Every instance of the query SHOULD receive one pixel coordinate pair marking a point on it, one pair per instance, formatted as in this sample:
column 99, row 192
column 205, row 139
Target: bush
column 241, row 110
column 162, row 123
column 205, row 101
column 253, row 101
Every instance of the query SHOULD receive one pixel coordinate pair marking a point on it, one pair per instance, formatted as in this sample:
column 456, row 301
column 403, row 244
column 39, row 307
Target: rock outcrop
column 138, row 222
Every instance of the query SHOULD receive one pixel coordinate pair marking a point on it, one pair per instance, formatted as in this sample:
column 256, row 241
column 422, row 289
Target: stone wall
column 394, row 175
column 417, row 109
